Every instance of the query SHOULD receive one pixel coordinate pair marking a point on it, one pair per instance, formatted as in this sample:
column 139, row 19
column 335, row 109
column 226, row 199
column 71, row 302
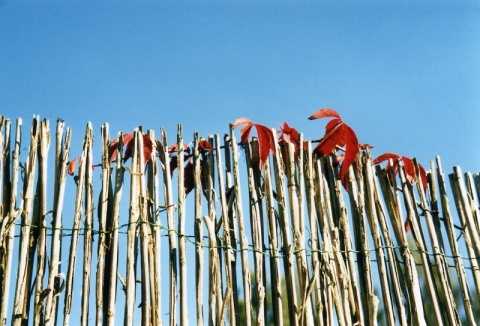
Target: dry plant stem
column 198, row 233
column 41, row 212
column 102, row 289
column 309, row 180
column 298, row 236
column 464, row 214
column 9, row 196
column 394, row 268
column 441, row 265
column 464, row 208
column 8, row 226
column 154, row 220
column 75, row 232
column 357, row 214
column 182, row 254
column 412, row 282
column 145, row 238
column 134, row 216
column 231, row 224
column 172, row 239
column 274, row 250
column 256, row 232
column 214, row 276
column 22, row 293
column 113, row 244
column 287, row 247
column 372, row 219
column 63, row 149
column 88, row 236
column 241, row 229
column 449, row 226
column 469, row 184
column 229, row 255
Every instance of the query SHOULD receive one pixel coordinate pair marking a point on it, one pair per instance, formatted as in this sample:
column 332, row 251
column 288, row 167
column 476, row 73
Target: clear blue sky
column 404, row 76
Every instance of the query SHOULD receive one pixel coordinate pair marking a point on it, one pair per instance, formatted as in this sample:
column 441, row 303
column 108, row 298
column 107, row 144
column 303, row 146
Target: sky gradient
column 405, row 77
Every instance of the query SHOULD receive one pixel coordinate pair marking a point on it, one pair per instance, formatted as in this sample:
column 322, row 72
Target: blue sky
column 404, row 76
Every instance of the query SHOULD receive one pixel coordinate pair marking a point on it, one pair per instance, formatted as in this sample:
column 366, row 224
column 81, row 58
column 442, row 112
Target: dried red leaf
column 365, row 146
column 289, row 134
column 204, row 145
column 407, row 225
column 351, row 151
column 331, row 125
column 330, row 140
column 147, row 148
column 72, row 165
column 241, row 121
column 174, row 148
column 324, row 113
column 386, row 157
column 265, row 137
column 112, row 148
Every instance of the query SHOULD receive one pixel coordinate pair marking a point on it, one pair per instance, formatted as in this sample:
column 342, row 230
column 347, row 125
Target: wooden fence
column 285, row 244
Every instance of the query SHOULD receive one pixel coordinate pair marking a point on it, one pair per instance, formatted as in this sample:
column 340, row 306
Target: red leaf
column 71, row 166
column 245, row 132
column 112, row 149
column 241, row 121
column 174, row 148
column 407, row 225
column 324, row 113
column 204, row 145
column 332, row 138
column 365, row 146
column 351, row 151
column 332, row 124
column 265, row 142
column 409, row 169
column 289, row 134
column 386, row 157
column 147, row 149
column 423, row 176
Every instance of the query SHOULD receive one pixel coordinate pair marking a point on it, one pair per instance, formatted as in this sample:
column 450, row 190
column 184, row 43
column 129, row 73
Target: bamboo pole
column 372, row 219
column 241, row 229
column 172, row 239
column 9, row 216
column 395, row 271
column 198, row 229
column 41, row 213
column 78, row 210
column 228, row 252
column 298, row 236
column 103, row 211
column 449, row 226
column 253, row 158
column 114, row 239
column 155, row 248
column 145, row 239
column 287, row 247
column 274, row 250
column 412, row 282
column 182, row 254
column 22, row 293
column 446, row 295
column 62, row 151
column 309, row 180
column 88, row 228
column 134, row 215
